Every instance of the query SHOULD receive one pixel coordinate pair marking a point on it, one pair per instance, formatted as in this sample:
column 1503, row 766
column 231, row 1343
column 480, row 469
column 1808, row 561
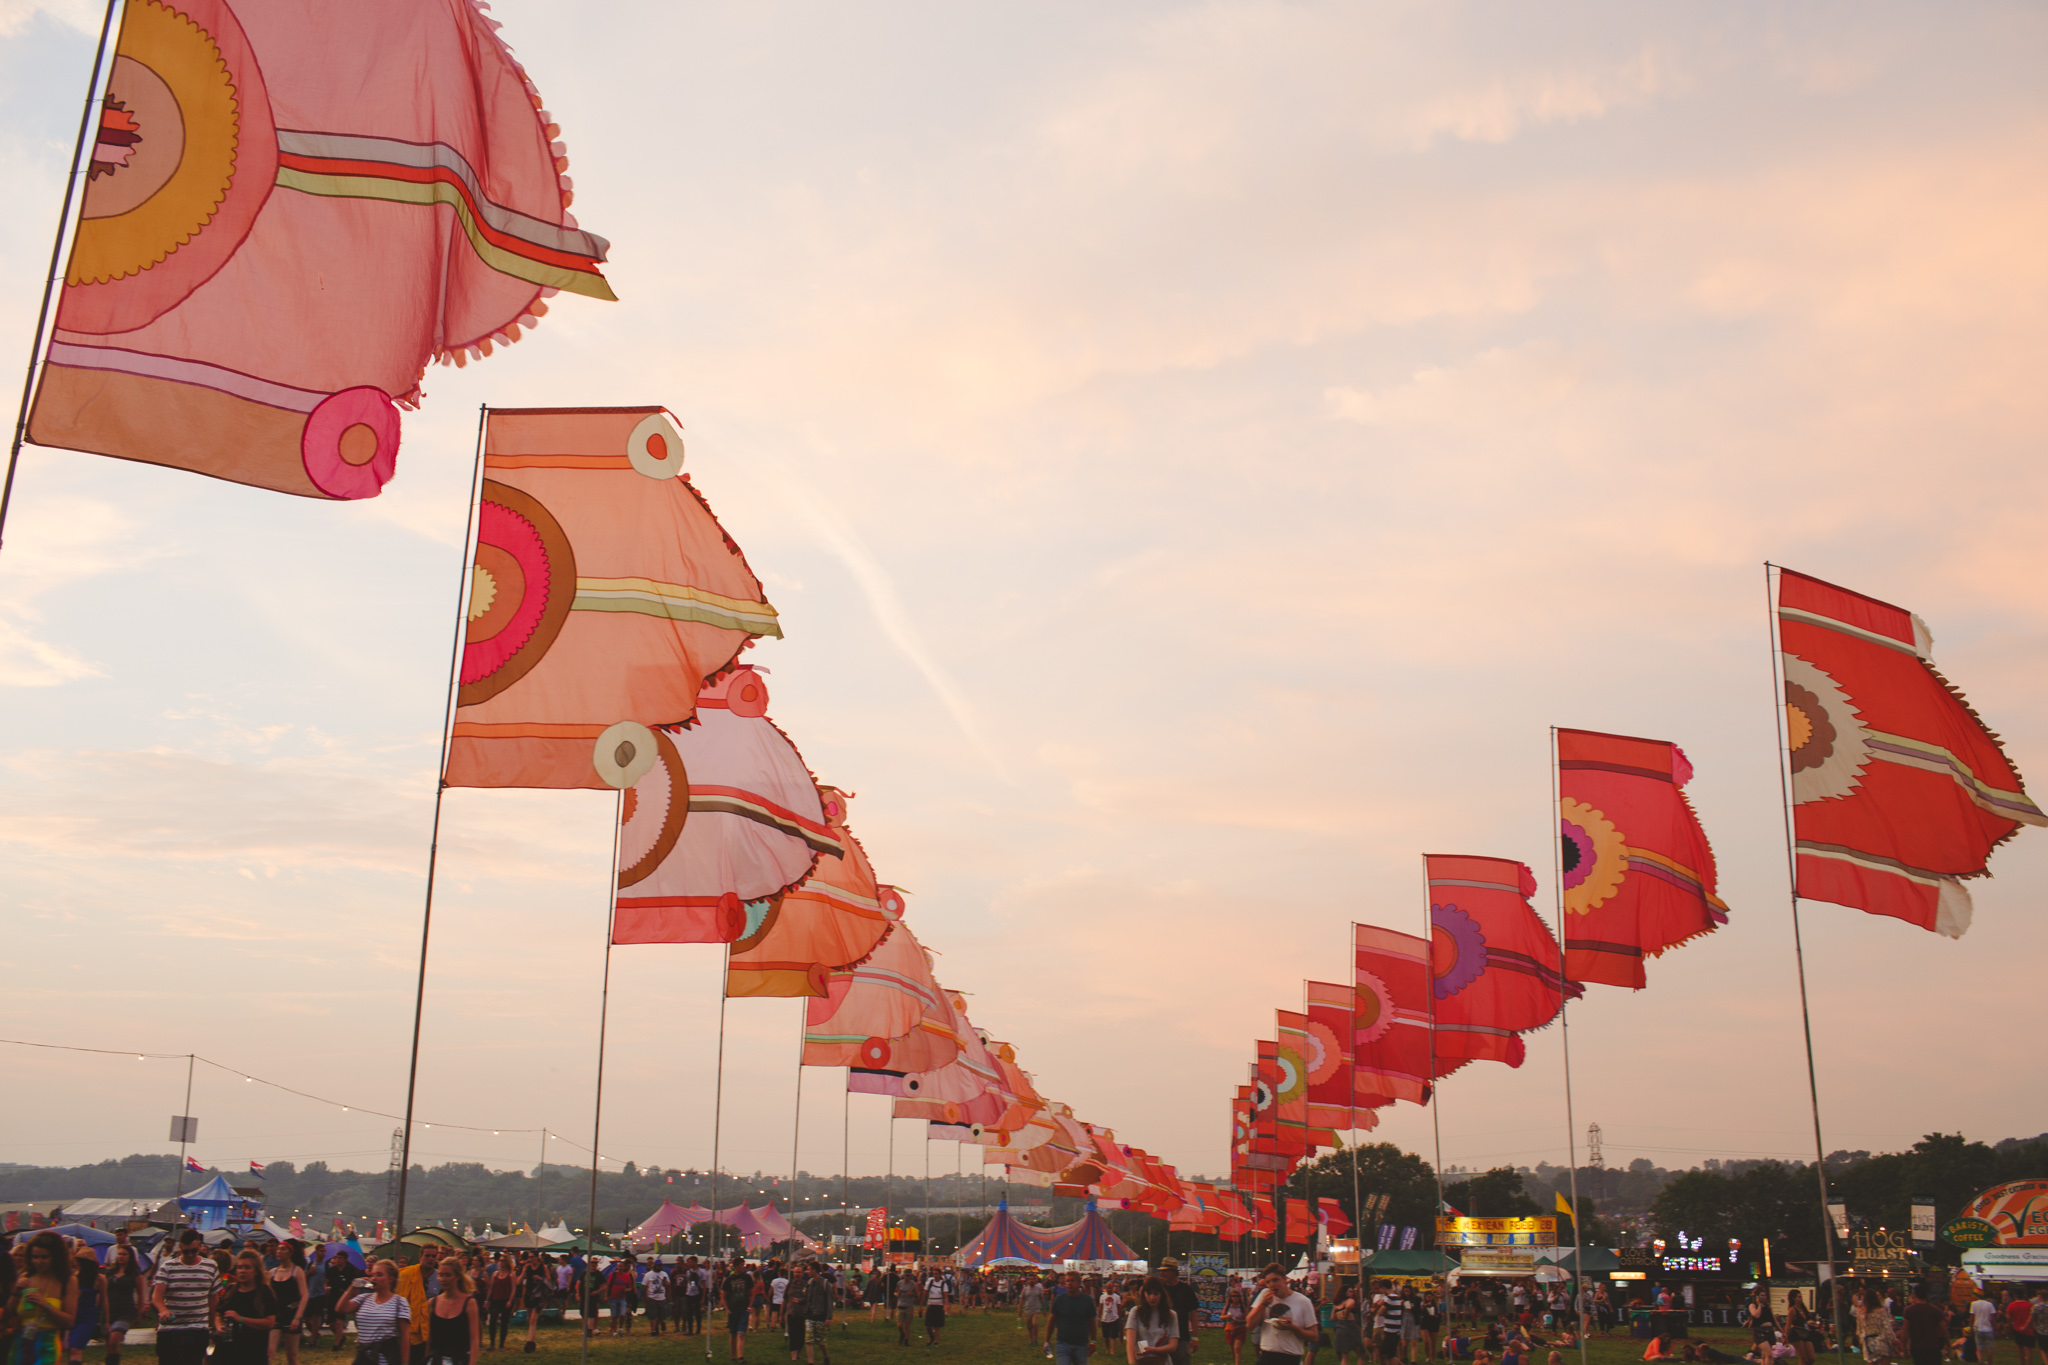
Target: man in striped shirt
column 185, row 1287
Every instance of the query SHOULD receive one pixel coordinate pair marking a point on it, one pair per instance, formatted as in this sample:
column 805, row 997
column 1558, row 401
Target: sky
column 1197, row 451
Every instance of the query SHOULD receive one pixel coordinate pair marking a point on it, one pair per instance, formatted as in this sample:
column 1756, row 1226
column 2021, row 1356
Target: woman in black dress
column 244, row 1316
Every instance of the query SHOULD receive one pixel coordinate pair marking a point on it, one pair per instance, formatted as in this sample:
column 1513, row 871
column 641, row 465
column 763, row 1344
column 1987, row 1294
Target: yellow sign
column 1496, row 1232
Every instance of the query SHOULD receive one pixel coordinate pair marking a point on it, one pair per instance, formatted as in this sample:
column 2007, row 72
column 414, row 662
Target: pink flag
column 291, row 208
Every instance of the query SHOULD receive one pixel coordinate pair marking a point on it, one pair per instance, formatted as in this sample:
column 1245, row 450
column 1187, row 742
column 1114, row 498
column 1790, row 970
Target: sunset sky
column 1197, row 451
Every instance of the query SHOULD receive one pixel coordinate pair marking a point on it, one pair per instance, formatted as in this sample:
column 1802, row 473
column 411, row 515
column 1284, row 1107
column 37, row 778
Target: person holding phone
column 1284, row 1320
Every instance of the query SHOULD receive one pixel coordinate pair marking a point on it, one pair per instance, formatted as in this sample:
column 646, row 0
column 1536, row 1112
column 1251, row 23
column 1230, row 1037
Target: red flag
column 1332, row 1214
column 1493, row 963
column 1638, row 872
column 1291, row 1053
column 1899, row 792
column 1332, row 1098
column 1301, row 1223
column 1391, row 1049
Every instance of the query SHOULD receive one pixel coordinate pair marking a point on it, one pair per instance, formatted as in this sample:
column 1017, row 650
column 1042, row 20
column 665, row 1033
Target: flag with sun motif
column 603, row 594
column 290, row 209
column 1899, row 791
column 1638, row 872
column 1493, row 962
column 1391, row 1053
column 1333, row 1100
column 723, row 823
column 1293, row 1040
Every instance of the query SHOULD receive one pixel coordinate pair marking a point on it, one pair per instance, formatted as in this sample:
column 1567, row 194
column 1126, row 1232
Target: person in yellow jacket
column 412, row 1283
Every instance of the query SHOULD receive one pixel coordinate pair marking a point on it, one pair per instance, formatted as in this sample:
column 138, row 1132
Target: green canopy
column 1408, row 1263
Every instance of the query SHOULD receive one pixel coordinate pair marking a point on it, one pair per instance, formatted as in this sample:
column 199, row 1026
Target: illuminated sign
column 1628, row 1275
column 1693, row 1263
column 1496, row 1232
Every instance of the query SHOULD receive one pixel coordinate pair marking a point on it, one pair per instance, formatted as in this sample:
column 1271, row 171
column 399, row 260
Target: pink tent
column 666, row 1221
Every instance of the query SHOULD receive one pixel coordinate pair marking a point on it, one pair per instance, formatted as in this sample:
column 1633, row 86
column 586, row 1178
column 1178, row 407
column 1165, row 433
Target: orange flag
column 603, row 594
column 829, row 923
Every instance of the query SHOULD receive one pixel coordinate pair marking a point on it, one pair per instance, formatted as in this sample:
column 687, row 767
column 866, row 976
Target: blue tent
column 216, row 1204
column 1088, row 1240
column 92, row 1237
column 1005, row 1241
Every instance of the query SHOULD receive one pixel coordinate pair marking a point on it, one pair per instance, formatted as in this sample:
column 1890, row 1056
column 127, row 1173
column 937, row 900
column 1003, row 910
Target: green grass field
column 970, row 1335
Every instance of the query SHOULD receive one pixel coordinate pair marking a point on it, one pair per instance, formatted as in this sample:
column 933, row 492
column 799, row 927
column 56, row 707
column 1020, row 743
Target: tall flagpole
column 419, row 998
column 1564, row 1033
column 604, row 1005
column 50, row 278
column 1820, row 1167
column 1435, row 1092
column 717, row 1115
column 846, row 1161
column 797, row 1119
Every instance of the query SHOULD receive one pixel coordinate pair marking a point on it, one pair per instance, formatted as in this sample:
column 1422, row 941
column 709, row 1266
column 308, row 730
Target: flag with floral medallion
column 1899, row 791
column 289, row 210
column 603, row 594
column 1638, row 872
column 1494, row 964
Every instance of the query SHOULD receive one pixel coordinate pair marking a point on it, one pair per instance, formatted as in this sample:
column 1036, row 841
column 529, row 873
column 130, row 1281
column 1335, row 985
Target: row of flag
column 1898, row 795
column 607, row 620
column 281, row 228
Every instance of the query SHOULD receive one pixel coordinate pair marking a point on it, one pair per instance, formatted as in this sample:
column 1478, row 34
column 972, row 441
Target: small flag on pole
column 1564, row 1207
column 192, row 1164
column 256, row 1168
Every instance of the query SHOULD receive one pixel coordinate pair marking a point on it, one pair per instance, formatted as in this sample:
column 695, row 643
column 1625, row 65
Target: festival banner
column 1391, row 1047
column 282, row 225
column 1638, row 872
column 829, row 923
column 1494, row 963
column 1899, row 791
column 1332, row 1098
column 604, row 593
column 723, row 823
column 867, row 1008
column 1291, row 1054
column 1331, row 1212
column 1301, row 1223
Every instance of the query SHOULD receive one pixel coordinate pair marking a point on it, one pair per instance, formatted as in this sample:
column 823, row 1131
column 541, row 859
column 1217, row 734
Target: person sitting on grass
column 1659, row 1348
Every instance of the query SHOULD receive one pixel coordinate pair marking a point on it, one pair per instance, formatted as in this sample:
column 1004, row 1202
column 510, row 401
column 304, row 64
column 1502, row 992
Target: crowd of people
column 268, row 1301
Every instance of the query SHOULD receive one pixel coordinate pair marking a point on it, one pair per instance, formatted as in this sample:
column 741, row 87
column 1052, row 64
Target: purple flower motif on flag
column 1457, row 950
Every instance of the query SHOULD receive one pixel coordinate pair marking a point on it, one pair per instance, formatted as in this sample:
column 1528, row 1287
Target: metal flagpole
column 846, row 1161
column 796, row 1121
column 419, row 998
column 604, row 1004
column 717, row 1113
column 540, row 1208
column 1820, row 1168
column 1435, row 1097
column 50, row 278
column 1564, row 1034
column 185, row 1127
column 1357, row 1209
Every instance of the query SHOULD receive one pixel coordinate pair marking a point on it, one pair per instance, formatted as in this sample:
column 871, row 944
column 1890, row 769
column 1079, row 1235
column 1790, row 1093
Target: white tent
column 111, row 1212
column 558, row 1232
